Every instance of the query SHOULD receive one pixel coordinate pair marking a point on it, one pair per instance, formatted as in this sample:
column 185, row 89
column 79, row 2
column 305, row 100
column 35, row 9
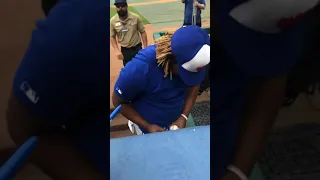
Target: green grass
column 131, row 9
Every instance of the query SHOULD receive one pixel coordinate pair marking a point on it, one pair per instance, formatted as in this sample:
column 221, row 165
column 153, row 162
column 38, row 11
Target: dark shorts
column 130, row 53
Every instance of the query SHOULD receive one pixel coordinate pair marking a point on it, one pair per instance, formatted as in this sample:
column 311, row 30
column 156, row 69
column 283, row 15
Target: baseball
column 174, row 127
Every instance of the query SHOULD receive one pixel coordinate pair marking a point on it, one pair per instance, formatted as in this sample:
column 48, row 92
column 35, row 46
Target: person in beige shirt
column 128, row 28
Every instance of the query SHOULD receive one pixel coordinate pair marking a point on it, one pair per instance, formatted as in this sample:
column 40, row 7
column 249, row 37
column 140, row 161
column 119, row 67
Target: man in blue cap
column 261, row 42
column 158, row 88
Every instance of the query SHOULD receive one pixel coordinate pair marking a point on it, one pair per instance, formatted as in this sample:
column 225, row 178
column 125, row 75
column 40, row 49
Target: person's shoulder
column 143, row 61
column 134, row 15
column 114, row 19
column 147, row 55
column 135, row 68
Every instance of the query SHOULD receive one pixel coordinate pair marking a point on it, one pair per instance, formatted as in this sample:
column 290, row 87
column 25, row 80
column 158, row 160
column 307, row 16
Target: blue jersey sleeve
column 132, row 80
column 65, row 69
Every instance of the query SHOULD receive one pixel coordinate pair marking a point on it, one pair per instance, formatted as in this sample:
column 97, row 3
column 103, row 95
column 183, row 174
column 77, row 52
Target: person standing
column 128, row 28
column 191, row 5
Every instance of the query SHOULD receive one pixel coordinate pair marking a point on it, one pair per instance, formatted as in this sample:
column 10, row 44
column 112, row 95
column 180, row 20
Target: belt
column 139, row 44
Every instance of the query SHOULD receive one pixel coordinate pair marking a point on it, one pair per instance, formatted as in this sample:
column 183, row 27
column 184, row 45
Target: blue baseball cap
column 120, row 2
column 261, row 35
column 191, row 48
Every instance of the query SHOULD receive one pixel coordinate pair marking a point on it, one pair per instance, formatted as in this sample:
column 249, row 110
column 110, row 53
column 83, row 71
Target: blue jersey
column 188, row 11
column 157, row 99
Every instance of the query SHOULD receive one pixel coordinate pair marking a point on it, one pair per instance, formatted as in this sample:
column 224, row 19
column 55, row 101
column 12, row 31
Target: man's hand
column 152, row 128
column 198, row 5
column 181, row 122
column 119, row 55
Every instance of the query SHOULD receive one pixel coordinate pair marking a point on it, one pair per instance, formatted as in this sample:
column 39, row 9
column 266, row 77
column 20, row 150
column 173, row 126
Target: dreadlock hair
column 164, row 53
column 305, row 75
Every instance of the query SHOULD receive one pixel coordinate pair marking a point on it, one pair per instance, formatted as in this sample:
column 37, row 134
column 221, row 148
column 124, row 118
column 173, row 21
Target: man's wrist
column 244, row 168
column 184, row 116
column 230, row 175
column 186, row 113
column 237, row 172
column 130, row 113
column 201, row 6
column 144, row 125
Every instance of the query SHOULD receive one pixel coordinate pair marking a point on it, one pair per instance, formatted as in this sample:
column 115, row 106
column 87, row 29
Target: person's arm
column 113, row 38
column 144, row 39
column 191, row 97
column 143, row 33
column 114, row 43
column 201, row 4
column 132, row 81
column 264, row 99
column 128, row 111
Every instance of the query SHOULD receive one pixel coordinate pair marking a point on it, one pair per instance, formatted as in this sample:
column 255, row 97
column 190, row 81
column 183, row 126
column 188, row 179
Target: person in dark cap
column 128, row 28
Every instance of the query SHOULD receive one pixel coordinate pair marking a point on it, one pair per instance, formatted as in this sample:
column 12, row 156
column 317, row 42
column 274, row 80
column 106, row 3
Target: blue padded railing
column 115, row 112
column 8, row 170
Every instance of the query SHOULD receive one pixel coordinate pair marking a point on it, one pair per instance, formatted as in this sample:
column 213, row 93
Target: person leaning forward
column 129, row 30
